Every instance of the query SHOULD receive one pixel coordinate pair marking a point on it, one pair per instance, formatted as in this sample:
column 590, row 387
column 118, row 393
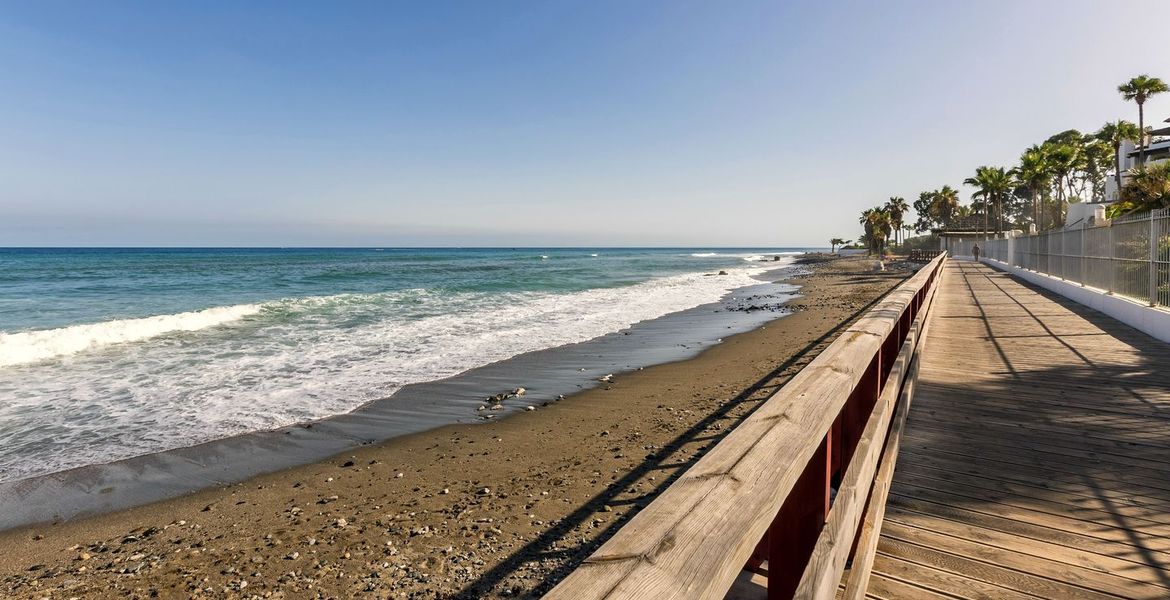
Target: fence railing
column 1129, row 256
column 923, row 256
column 796, row 491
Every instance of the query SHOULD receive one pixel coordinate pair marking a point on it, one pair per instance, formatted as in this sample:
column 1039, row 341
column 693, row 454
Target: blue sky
column 532, row 123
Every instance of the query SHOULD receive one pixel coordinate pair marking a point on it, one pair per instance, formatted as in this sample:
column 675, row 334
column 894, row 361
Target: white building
column 1156, row 152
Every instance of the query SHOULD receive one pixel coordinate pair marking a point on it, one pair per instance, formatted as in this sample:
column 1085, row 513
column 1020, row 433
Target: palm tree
column 1033, row 173
column 1114, row 133
column 876, row 223
column 1139, row 89
column 946, row 204
column 896, row 206
column 837, row 242
column 1063, row 161
column 999, row 182
column 979, row 181
column 1148, row 188
column 994, row 184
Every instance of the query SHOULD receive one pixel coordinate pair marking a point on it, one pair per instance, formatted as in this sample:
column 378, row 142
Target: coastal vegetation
column 837, row 242
column 1068, row 167
column 877, row 224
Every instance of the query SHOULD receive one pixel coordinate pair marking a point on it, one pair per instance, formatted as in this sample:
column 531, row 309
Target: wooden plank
column 1055, row 521
column 946, row 582
column 1027, row 546
column 887, row 588
column 1071, row 539
column 1073, row 502
column 1048, row 480
column 987, row 572
column 1036, row 456
column 971, row 488
column 1054, row 570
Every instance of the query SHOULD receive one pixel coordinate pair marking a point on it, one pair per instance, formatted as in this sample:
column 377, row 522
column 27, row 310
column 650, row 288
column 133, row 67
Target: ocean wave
column 34, row 346
column 298, row 359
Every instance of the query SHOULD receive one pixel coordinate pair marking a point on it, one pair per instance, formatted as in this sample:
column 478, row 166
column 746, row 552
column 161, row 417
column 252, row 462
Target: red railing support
column 794, row 531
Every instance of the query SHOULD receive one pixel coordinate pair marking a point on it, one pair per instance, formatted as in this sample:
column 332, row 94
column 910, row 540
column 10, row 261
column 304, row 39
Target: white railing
column 1129, row 256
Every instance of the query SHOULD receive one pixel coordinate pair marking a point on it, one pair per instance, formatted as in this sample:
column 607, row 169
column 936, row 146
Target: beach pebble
column 485, row 491
column 530, row 407
column 342, row 522
column 606, row 378
column 519, row 391
column 445, row 491
column 398, row 476
column 293, row 556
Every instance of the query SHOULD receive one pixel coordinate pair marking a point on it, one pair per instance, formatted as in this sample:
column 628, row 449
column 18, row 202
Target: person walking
column 975, row 251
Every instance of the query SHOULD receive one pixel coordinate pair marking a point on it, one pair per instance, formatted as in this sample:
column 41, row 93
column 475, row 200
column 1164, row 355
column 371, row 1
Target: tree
column 993, row 184
column 1148, row 188
column 946, row 204
column 925, row 220
column 1033, row 174
column 1139, row 89
column 837, row 242
column 1114, row 133
column 877, row 225
column 1063, row 162
column 896, row 206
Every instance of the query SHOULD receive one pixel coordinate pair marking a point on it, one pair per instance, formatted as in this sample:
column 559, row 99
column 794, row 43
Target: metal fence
column 1130, row 256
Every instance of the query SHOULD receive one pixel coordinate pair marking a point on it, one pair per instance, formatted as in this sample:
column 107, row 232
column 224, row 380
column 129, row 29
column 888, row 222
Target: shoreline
column 497, row 509
column 548, row 374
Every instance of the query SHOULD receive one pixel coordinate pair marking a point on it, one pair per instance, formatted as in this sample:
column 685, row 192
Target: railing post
column 1112, row 262
column 794, row 532
column 1153, row 262
column 1083, row 253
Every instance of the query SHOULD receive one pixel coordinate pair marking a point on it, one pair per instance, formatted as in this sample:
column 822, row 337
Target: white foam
column 33, row 346
column 292, row 360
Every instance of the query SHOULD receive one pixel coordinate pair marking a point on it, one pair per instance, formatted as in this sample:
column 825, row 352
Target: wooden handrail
column 763, row 492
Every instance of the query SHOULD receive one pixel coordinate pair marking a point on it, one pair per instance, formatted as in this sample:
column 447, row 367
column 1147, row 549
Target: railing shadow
column 1068, row 446
column 545, row 545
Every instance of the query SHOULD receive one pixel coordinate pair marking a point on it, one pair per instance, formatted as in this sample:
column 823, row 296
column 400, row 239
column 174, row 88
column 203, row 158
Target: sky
column 540, row 123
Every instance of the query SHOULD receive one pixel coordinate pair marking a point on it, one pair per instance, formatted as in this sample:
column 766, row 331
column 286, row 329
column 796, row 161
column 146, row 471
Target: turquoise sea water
column 111, row 353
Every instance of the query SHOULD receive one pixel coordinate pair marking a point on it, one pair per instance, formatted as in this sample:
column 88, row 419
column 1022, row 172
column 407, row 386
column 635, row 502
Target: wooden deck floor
column 1036, row 462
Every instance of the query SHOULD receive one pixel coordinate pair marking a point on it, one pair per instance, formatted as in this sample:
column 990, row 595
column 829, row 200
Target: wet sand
column 501, row 509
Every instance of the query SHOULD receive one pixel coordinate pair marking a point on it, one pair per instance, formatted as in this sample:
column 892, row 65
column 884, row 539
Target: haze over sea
column 112, row 353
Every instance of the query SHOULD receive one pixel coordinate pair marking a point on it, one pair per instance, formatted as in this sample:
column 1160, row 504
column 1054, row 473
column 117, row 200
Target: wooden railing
column 800, row 484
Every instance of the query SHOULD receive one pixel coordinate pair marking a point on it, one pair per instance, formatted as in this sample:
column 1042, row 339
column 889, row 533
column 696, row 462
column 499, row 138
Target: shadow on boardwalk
column 1037, row 456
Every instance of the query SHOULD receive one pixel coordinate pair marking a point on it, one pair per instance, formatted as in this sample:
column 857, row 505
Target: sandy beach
column 502, row 509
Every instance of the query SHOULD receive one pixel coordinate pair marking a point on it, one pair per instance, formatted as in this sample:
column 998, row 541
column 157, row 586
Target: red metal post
column 794, row 532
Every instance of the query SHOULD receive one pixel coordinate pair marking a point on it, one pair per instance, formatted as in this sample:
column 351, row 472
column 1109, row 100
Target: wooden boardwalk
column 1036, row 459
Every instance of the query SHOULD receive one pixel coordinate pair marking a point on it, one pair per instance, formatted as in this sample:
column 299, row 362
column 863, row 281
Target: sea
column 107, row 354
